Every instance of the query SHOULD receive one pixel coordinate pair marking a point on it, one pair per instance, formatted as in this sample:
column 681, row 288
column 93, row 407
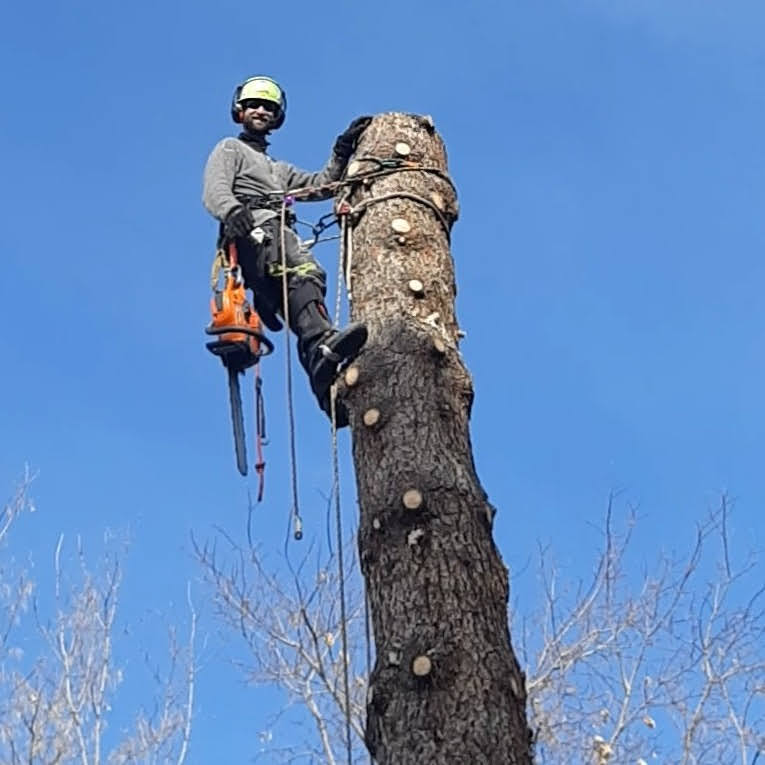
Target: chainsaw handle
column 239, row 329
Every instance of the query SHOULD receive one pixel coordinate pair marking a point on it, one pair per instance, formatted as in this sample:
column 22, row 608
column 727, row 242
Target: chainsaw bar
column 237, row 419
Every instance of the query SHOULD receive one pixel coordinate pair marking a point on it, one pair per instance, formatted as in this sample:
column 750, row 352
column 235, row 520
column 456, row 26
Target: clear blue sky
column 609, row 256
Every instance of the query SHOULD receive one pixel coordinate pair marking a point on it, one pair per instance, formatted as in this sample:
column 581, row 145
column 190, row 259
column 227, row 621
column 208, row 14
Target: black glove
column 238, row 223
column 346, row 142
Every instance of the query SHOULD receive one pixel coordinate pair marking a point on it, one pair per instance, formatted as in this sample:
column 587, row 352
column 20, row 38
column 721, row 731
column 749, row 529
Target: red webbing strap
column 232, row 254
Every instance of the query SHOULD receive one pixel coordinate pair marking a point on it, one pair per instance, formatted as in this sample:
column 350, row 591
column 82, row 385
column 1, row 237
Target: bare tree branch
column 290, row 624
column 667, row 665
column 673, row 669
column 54, row 707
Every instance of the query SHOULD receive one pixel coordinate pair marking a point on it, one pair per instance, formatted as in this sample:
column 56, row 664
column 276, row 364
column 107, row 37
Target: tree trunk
column 446, row 687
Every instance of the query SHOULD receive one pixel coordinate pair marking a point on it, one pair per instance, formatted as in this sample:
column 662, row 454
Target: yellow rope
column 220, row 262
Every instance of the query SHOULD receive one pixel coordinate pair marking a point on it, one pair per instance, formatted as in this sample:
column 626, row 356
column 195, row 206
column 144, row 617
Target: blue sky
column 611, row 176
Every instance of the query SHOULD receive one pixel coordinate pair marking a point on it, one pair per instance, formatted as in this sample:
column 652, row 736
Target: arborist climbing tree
column 244, row 189
column 446, row 687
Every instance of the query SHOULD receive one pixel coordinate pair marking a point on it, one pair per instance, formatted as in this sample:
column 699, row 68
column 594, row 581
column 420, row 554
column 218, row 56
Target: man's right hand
column 346, row 142
column 238, row 223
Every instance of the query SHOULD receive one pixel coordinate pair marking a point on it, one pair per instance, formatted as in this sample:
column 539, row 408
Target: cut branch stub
column 416, row 286
column 351, row 376
column 439, row 346
column 353, row 168
column 422, row 666
column 401, row 225
column 371, row 417
column 403, row 149
column 412, row 499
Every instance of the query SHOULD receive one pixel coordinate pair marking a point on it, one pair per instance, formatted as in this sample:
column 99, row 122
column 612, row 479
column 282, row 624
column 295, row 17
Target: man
column 243, row 189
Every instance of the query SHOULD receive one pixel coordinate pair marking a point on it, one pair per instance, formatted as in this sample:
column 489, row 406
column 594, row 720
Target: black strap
column 273, row 204
column 260, row 202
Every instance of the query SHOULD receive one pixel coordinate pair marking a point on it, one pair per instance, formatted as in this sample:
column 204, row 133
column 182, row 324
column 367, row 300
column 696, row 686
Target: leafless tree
column 667, row 666
column 55, row 704
column 661, row 661
column 290, row 621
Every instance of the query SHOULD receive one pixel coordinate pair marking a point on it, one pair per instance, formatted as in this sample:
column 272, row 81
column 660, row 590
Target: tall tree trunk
column 446, row 687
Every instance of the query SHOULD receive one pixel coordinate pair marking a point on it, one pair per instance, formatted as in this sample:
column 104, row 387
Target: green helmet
column 263, row 88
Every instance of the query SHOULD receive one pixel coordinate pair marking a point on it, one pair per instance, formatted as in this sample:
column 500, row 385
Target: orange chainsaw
column 239, row 343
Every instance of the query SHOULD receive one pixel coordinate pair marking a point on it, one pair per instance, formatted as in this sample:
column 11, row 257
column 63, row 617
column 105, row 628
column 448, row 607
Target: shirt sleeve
column 221, row 168
column 294, row 178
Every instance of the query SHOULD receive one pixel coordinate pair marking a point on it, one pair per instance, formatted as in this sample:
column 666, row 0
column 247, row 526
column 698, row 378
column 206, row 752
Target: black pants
column 262, row 270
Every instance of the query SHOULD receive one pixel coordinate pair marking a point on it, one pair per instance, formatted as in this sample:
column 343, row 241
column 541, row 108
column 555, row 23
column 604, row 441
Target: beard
column 257, row 125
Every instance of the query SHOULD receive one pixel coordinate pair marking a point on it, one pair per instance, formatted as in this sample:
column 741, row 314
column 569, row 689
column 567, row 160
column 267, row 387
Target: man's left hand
column 346, row 142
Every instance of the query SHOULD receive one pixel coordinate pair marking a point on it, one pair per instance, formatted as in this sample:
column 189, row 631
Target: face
column 258, row 115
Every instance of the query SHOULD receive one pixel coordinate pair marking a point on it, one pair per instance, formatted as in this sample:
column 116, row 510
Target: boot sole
column 347, row 346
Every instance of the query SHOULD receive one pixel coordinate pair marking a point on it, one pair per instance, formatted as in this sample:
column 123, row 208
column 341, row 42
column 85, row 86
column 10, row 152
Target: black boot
column 323, row 351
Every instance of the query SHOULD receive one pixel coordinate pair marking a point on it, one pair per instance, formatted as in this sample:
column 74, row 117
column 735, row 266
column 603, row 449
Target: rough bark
column 446, row 686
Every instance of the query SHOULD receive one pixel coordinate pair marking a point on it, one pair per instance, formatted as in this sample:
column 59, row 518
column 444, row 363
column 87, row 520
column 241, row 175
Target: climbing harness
column 239, row 343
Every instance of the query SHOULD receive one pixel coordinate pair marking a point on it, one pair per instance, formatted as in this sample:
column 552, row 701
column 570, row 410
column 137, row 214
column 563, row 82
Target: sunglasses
column 254, row 103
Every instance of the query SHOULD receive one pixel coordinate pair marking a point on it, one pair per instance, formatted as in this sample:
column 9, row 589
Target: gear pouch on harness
column 256, row 252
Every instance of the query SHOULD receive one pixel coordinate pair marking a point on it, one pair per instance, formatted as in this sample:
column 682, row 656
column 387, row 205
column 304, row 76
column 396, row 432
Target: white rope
column 341, row 571
column 295, row 514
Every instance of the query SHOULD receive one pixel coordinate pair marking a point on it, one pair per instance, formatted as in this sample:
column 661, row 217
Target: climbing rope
column 387, row 167
column 338, row 513
column 295, row 519
column 338, row 289
column 405, row 195
column 344, row 270
column 367, row 631
column 341, row 570
column 346, row 247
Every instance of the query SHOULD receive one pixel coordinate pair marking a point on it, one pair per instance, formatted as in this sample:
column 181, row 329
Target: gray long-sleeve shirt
column 235, row 169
